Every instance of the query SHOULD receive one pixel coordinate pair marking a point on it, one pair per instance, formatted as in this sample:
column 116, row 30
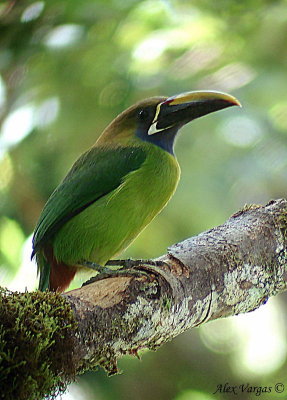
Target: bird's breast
column 154, row 183
column 143, row 194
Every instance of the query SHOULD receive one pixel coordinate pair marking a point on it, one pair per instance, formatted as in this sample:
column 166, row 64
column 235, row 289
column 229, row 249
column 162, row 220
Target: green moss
column 35, row 345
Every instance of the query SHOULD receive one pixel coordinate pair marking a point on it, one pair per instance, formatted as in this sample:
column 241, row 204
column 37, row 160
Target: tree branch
column 227, row 270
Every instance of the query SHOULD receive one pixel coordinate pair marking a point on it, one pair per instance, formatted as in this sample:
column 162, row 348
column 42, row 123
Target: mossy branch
column 46, row 339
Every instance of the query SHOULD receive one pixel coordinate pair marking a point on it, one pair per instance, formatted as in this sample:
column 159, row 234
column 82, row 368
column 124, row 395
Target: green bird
column 115, row 189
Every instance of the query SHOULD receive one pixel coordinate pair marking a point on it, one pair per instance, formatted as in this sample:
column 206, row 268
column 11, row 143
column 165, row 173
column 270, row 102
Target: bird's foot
column 105, row 272
column 129, row 263
column 95, row 267
column 124, row 265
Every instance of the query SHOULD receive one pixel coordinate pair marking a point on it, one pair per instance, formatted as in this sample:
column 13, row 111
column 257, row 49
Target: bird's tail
column 45, row 272
column 44, row 269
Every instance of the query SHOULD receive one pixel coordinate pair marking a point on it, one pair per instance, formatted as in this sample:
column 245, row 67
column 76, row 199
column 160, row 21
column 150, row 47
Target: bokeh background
column 67, row 68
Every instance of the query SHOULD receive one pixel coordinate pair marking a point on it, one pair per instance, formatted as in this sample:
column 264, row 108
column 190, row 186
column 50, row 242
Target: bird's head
column 158, row 119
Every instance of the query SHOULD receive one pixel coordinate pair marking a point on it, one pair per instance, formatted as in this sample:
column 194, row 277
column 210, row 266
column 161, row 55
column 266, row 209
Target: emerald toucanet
column 117, row 187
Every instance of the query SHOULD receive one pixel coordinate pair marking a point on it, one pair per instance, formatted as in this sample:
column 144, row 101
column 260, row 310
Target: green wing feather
column 95, row 174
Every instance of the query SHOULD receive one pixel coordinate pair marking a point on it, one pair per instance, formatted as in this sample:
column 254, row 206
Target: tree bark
column 231, row 269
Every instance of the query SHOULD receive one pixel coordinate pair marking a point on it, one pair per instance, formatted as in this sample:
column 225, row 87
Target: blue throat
column 164, row 139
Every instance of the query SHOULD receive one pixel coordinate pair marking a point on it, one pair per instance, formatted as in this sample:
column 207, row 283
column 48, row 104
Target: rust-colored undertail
column 61, row 274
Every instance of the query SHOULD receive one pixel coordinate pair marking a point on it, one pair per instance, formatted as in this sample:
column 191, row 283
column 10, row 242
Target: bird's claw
column 124, row 265
column 129, row 263
column 96, row 267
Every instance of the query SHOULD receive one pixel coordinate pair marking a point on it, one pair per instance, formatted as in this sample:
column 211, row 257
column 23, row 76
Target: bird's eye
column 143, row 114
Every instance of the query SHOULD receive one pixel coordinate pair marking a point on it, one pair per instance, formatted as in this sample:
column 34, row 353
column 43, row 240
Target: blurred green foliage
column 67, row 68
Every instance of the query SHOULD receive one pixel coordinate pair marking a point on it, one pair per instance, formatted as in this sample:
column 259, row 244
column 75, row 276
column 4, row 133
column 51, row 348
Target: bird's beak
column 178, row 110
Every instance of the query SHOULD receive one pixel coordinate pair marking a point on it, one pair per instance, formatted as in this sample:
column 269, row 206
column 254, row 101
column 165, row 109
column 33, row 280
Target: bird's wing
column 95, row 174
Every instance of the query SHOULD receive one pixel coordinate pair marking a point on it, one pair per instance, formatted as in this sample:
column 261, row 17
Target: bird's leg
column 129, row 263
column 124, row 265
column 108, row 272
column 95, row 267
